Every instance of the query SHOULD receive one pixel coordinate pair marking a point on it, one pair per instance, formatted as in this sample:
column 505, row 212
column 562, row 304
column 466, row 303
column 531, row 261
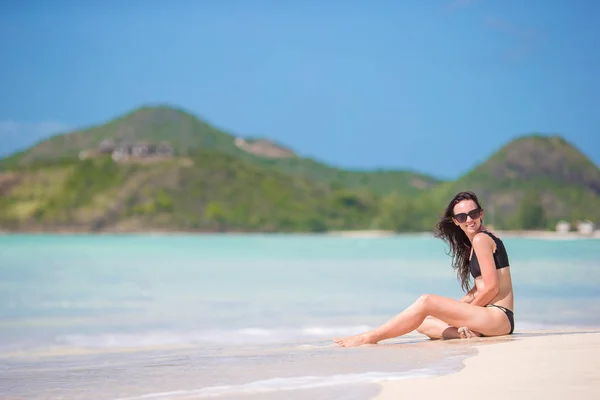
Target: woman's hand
column 466, row 333
column 468, row 298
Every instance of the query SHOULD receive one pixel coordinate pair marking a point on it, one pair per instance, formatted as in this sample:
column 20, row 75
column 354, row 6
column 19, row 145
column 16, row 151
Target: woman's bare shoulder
column 483, row 238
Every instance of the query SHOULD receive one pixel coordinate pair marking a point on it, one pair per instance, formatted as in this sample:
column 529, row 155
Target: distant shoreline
column 364, row 234
column 531, row 234
column 549, row 235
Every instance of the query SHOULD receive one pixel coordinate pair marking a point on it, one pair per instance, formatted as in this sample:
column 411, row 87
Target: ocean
column 249, row 316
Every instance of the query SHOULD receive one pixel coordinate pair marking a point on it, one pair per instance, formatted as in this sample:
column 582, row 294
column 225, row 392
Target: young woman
column 485, row 310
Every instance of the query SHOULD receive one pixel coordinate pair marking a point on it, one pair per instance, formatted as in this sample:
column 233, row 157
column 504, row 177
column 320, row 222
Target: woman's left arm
column 468, row 298
column 483, row 247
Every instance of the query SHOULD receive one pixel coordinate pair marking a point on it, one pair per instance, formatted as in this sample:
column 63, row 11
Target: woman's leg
column 450, row 311
column 437, row 329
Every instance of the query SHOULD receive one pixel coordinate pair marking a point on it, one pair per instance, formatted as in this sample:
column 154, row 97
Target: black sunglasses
column 462, row 217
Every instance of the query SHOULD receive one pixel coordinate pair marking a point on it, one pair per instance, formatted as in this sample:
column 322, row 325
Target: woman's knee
column 425, row 302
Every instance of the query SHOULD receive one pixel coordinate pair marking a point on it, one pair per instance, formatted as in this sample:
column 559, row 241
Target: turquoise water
column 124, row 316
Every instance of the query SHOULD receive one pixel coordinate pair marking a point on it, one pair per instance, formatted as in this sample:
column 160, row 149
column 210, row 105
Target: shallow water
column 125, row 316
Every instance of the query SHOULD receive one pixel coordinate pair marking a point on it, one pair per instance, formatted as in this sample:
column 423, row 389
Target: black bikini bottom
column 509, row 314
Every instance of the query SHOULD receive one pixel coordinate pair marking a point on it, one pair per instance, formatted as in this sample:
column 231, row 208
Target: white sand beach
column 537, row 365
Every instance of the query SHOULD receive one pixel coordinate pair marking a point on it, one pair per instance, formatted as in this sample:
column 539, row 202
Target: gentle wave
column 242, row 336
column 281, row 384
column 304, row 337
column 250, row 335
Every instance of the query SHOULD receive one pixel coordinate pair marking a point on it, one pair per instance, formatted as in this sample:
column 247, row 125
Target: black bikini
column 501, row 261
column 509, row 314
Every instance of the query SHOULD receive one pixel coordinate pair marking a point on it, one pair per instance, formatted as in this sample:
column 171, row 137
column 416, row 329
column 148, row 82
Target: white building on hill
column 585, row 227
column 563, row 227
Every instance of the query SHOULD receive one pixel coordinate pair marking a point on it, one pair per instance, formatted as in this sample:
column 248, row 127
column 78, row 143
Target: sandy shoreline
column 543, row 365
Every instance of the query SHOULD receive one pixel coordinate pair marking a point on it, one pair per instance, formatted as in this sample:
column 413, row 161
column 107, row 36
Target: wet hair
column 460, row 245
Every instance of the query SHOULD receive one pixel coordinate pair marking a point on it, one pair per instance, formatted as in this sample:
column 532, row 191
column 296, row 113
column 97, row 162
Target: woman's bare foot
column 355, row 341
column 466, row 333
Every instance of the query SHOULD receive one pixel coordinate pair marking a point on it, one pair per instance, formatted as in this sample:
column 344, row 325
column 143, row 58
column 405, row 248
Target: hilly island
column 163, row 169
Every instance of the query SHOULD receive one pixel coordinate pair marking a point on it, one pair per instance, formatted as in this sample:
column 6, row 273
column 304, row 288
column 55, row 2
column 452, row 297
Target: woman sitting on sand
column 486, row 309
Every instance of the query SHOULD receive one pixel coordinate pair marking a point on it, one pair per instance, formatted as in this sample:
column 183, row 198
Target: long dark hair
column 460, row 245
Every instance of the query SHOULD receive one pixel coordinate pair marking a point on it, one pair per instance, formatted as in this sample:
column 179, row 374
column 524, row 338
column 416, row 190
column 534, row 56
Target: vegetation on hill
column 212, row 185
column 187, row 134
column 534, row 159
column 542, row 175
column 207, row 191
column 147, row 124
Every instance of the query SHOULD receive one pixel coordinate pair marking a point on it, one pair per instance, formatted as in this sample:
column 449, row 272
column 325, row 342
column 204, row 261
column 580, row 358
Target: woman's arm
column 483, row 247
column 468, row 298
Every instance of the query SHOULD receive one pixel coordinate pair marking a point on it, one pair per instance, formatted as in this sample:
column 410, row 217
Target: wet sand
column 533, row 365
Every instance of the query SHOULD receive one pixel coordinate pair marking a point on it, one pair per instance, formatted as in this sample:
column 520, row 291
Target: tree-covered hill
column 528, row 174
column 205, row 191
column 186, row 134
column 209, row 182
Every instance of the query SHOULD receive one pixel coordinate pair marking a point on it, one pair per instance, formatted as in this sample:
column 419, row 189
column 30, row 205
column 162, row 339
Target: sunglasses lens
column 461, row 218
column 474, row 214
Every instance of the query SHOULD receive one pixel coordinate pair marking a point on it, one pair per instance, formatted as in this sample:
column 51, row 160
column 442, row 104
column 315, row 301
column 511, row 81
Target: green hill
column 209, row 181
column 147, row 124
column 529, row 172
column 207, row 191
column 186, row 134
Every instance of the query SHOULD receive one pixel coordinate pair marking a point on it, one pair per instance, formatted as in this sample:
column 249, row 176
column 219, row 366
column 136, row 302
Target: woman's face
column 467, row 216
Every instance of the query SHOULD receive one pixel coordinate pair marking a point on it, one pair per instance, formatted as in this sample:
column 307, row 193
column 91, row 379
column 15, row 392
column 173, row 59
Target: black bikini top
column 500, row 257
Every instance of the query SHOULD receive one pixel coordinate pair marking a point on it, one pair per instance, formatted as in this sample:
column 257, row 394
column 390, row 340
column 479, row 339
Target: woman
column 485, row 310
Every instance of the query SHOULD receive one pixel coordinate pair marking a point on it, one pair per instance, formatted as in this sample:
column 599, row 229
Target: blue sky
column 432, row 86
